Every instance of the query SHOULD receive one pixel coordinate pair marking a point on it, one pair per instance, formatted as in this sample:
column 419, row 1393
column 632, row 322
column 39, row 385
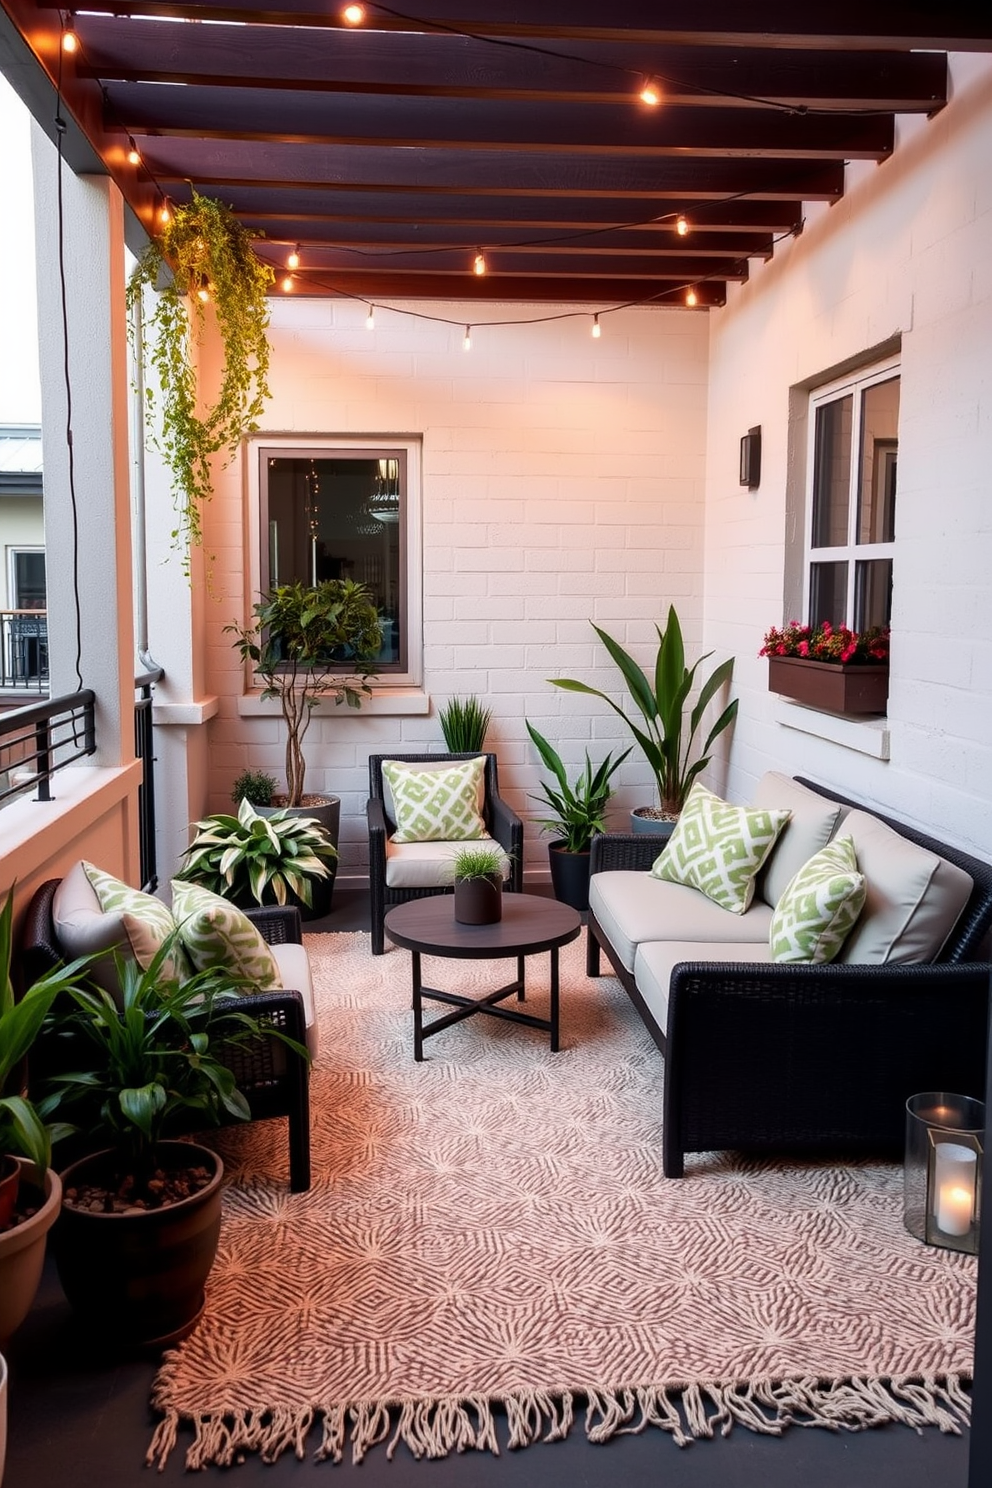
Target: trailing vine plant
column 212, row 261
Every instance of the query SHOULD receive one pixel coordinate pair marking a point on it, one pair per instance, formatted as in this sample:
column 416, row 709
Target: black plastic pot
column 479, row 901
column 139, row 1277
column 569, row 875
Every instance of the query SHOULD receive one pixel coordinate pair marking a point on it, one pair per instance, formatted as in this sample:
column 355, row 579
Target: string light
column 287, row 284
column 650, row 92
column 133, row 155
column 467, row 343
column 597, row 329
column 370, row 319
column 479, row 262
column 691, row 298
column 203, row 294
column 353, row 14
column 164, row 215
column 293, row 261
column 681, row 226
column 70, row 41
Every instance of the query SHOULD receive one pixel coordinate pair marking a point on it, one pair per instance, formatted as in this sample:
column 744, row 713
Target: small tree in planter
column 301, row 635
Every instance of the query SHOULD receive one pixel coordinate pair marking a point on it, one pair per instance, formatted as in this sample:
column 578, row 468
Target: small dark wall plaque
column 751, row 458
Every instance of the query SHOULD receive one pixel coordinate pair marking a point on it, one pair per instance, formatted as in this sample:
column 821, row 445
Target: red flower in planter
column 826, row 642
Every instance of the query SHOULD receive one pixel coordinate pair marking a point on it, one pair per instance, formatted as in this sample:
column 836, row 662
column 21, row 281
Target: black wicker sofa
column 818, row 1060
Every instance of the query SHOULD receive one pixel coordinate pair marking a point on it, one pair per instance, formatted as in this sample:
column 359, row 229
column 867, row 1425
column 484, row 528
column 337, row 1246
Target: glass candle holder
column 942, row 1174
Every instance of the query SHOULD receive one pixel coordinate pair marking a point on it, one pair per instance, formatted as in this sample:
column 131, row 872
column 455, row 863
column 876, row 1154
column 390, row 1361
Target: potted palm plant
column 667, row 734
column 251, row 858
column 141, row 1216
column 301, row 636
column 578, row 812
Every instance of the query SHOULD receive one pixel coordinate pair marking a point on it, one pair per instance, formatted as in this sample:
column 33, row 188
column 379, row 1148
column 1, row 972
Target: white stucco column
column 87, row 504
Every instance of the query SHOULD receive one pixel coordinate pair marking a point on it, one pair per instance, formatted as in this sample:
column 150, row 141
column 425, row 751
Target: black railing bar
column 38, row 712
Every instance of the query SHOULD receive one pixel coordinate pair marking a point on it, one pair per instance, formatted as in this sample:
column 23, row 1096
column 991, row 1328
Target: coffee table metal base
column 530, row 924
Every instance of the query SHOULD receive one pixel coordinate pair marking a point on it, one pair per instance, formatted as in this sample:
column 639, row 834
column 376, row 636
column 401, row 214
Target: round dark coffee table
column 427, row 927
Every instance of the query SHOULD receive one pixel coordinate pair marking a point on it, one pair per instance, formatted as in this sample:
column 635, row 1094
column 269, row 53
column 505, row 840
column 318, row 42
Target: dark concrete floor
column 76, row 1413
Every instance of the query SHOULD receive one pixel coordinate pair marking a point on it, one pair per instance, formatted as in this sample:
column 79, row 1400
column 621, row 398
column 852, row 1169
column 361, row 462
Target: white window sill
column 865, row 736
column 385, row 701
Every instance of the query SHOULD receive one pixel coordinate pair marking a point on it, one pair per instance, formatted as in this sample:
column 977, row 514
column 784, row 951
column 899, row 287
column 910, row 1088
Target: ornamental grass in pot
column 477, row 873
column 141, row 1215
column 578, row 812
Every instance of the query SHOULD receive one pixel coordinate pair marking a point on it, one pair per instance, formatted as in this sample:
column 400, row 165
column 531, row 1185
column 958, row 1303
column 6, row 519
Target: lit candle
column 955, row 1169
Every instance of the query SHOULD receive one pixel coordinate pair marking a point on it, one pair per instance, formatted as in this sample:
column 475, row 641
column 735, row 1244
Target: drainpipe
column 151, row 671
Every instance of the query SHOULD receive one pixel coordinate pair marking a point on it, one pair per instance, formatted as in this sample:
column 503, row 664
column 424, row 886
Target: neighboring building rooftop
column 20, row 459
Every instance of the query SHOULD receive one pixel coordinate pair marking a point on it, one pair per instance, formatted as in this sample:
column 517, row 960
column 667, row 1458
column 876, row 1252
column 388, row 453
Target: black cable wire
column 60, row 130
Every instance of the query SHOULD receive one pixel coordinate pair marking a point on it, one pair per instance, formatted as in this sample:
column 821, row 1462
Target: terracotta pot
column 139, row 1277
column 479, row 901
column 22, row 1250
column 10, row 1178
column 829, row 686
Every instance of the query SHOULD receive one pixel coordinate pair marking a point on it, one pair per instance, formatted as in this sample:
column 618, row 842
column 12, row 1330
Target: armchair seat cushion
column 632, row 908
column 294, row 969
column 427, row 865
column 655, row 960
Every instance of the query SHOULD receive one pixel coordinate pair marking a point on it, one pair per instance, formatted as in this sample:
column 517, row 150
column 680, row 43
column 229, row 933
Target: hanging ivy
column 213, row 265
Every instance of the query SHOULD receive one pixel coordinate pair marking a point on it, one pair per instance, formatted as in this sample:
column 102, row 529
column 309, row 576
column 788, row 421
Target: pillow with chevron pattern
column 820, row 907
column 718, row 848
column 136, row 922
column 440, row 803
column 216, row 933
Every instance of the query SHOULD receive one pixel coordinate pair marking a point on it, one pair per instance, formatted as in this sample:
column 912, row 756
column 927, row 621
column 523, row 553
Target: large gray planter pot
column 22, row 1250
column 656, row 826
column 328, row 813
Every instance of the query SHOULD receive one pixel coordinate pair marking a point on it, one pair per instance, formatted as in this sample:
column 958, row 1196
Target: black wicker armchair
column 817, row 1060
column 502, row 824
column 274, row 1080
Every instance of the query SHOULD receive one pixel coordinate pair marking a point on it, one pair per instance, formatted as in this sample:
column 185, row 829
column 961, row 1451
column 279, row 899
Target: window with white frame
column 853, row 459
column 332, row 509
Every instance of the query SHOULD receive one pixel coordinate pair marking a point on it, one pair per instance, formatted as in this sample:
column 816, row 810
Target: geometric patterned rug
column 490, row 1231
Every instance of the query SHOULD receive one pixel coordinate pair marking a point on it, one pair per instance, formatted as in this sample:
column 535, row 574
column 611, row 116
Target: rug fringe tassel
column 433, row 1428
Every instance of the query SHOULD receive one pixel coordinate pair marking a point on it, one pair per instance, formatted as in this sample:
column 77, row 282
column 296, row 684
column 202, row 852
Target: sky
column 20, row 387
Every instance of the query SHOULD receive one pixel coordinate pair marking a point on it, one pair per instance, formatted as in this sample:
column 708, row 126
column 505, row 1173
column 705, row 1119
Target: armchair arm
column 815, row 1058
column 632, row 850
column 508, row 830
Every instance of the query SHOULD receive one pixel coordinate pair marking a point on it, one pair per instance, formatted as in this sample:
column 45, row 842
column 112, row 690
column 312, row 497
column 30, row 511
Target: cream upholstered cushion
column 427, row 865
column 294, row 974
column 718, row 848
column 437, row 803
column 94, row 913
column 812, row 821
column 656, row 959
column 633, row 908
column 215, row 932
column 914, row 897
column 819, row 908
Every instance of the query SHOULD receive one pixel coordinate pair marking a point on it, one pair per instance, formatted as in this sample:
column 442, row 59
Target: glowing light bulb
column 203, row 294
column 293, row 261
column 133, row 156
column 70, row 41
column 353, row 14
column 370, row 319
column 479, row 262
column 467, row 343
column 164, row 215
column 287, row 284
column 597, row 329
column 650, row 93
column 691, row 298
column 681, row 226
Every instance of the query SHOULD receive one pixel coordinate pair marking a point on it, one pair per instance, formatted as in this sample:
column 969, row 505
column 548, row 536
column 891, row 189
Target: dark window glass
column 832, row 473
column 872, row 593
column 29, row 581
column 879, row 452
column 828, row 593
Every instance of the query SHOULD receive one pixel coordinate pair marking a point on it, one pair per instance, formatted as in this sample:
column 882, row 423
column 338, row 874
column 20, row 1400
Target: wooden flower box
column 830, row 686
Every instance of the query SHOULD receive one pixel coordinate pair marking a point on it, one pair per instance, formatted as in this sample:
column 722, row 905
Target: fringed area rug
column 490, row 1231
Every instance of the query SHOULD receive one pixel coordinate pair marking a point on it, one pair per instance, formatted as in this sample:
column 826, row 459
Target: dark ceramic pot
column 479, row 901
column 569, row 875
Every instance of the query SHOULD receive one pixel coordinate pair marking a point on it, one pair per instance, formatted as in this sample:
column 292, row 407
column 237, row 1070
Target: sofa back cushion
column 812, row 821
column 94, row 912
column 913, row 900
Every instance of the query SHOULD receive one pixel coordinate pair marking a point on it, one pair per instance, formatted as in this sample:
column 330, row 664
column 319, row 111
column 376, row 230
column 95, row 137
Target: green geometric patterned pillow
column 216, row 933
column 718, row 848
column 145, row 920
column 819, row 908
column 437, row 805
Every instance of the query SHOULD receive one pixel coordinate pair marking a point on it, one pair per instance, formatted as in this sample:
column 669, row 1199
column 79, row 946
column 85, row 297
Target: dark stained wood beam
column 445, row 264
column 442, row 123
column 492, row 288
column 872, row 25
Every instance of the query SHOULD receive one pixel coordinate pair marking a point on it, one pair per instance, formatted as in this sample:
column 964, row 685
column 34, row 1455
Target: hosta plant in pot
column 477, row 873
column 670, row 721
column 141, row 1214
column 577, row 813
column 251, row 859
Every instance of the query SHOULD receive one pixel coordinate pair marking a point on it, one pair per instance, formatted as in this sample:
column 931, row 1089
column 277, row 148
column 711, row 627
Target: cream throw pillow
column 437, row 803
column 718, row 848
column 820, row 907
column 215, row 932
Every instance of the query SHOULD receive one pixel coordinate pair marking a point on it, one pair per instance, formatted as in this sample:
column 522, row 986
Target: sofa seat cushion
column 913, row 901
column 294, row 969
column 718, row 848
column 812, row 821
column 428, row 865
column 633, row 907
column 655, row 960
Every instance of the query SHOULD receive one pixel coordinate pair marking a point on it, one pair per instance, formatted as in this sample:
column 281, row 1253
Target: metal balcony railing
column 24, row 651
column 40, row 739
